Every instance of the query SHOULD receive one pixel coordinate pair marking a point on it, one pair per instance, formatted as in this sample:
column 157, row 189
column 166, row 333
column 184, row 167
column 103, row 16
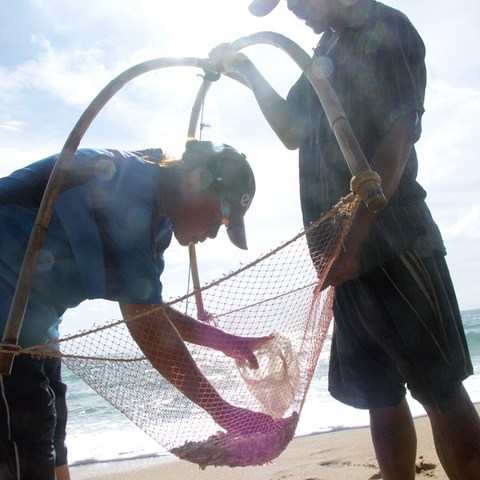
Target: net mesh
column 277, row 296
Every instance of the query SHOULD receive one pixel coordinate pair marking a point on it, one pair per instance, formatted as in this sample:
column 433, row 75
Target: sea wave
column 99, row 433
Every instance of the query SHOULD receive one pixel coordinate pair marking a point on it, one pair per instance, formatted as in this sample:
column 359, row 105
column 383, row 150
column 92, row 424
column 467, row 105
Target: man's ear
column 199, row 179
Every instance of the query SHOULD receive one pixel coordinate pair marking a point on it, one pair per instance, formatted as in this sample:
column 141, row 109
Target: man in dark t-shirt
column 112, row 222
column 397, row 320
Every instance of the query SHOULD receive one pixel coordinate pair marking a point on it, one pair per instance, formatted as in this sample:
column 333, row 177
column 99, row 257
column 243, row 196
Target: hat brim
column 260, row 8
column 236, row 231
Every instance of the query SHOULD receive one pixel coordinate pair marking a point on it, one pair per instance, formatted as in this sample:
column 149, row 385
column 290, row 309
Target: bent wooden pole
column 202, row 314
column 365, row 182
column 192, row 130
column 9, row 344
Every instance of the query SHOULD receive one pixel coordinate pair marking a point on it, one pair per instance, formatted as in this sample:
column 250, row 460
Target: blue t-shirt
column 106, row 238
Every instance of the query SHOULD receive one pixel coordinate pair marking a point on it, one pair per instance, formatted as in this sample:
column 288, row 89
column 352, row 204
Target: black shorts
column 28, row 421
column 399, row 324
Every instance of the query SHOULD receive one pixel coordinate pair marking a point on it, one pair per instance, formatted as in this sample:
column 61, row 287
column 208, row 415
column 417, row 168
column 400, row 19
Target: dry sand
column 345, row 454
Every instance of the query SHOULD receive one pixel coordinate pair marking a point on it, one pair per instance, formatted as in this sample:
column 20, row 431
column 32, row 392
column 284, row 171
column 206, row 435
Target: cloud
column 74, row 77
column 448, row 168
column 448, row 149
column 12, row 125
column 12, row 158
column 467, row 226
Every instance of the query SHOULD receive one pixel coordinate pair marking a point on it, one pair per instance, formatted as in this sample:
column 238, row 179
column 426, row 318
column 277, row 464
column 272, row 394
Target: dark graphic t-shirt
column 378, row 72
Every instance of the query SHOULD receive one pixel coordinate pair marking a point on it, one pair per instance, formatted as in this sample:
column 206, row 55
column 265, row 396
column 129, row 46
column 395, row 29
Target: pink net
column 278, row 295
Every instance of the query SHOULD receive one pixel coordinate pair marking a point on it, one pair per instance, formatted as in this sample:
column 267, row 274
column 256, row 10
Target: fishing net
column 279, row 296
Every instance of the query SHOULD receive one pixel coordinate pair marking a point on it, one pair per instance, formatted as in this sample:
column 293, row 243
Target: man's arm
column 162, row 344
column 200, row 333
column 274, row 108
column 26, row 186
column 157, row 336
column 389, row 162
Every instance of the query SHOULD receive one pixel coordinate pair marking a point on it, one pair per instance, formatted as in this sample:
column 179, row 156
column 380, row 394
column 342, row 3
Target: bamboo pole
column 192, row 130
column 19, row 302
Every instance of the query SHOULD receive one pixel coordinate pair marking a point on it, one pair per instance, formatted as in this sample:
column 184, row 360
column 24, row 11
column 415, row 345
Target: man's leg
column 62, row 472
column 362, row 374
column 8, row 448
column 406, row 313
column 28, row 413
column 456, row 431
column 53, row 370
column 395, row 441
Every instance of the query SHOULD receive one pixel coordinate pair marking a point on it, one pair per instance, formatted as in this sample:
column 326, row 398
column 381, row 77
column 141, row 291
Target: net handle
column 191, row 134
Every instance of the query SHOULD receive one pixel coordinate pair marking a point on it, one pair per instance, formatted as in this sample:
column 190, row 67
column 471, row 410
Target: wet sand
column 345, row 454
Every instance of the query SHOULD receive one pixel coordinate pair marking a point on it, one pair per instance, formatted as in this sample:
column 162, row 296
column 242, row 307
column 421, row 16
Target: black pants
column 399, row 324
column 28, row 421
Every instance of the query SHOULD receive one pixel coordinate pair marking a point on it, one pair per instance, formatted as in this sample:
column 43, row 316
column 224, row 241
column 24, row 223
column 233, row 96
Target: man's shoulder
column 112, row 165
column 389, row 14
column 147, row 155
column 389, row 28
column 391, row 18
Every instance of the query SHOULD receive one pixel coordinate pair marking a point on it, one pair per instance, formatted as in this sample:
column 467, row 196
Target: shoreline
column 92, row 461
column 346, row 453
column 167, row 456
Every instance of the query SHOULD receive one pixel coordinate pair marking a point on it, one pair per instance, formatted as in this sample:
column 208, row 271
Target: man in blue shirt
column 112, row 222
column 397, row 320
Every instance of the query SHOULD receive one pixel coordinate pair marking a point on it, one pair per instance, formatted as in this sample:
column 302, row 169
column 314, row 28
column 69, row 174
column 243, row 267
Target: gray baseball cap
column 226, row 172
column 260, row 8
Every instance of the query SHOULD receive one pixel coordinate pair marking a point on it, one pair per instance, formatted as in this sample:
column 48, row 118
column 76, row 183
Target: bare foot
column 423, row 466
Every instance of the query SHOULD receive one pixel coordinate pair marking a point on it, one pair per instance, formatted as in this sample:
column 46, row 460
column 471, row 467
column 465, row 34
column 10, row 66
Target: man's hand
column 345, row 267
column 242, row 349
column 240, row 421
column 224, row 58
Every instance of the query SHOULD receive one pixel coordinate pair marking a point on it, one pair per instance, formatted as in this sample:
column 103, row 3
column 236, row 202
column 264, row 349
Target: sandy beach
column 344, row 454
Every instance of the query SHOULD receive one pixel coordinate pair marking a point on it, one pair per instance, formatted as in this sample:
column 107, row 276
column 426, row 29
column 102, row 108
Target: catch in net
column 279, row 295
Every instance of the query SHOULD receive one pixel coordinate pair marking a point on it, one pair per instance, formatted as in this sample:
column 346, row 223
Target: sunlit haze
column 57, row 54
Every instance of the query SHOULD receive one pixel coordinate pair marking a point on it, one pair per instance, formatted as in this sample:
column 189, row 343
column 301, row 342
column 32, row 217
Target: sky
column 56, row 55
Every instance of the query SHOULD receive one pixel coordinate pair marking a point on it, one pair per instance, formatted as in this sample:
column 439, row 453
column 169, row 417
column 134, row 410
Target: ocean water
column 97, row 432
